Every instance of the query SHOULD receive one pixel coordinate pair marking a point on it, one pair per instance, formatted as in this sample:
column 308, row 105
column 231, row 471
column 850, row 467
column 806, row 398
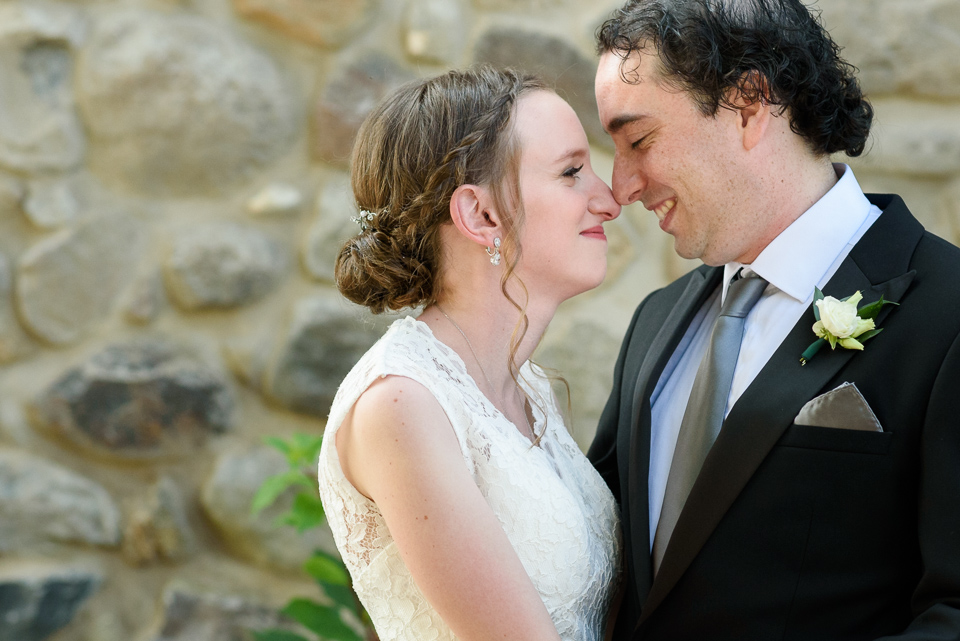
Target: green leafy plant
column 325, row 620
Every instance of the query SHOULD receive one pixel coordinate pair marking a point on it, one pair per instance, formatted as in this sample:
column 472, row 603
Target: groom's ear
column 474, row 215
column 751, row 102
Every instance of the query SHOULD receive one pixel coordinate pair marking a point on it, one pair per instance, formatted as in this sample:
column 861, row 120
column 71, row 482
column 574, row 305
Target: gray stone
column 67, row 283
column 323, row 23
column 900, row 46
column 14, row 342
column 590, row 377
column 912, row 137
column 177, row 105
column 26, row 23
column 330, row 229
column 354, row 90
column 226, row 498
column 222, row 265
column 38, row 600
column 190, row 614
column 247, row 356
column 147, row 299
column 434, row 31
column 559, row 63
column 39, row 128
column 50, row 204
column 276, row 199
column 15, row 231
column 157, row 528
column 12, row 193
column 41, row 501
column 326, row 338
column 143, row 398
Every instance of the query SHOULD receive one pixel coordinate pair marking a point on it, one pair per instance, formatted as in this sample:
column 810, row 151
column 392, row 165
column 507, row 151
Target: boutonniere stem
column 839, row 322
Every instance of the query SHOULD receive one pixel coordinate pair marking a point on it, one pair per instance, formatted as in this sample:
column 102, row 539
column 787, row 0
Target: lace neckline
column 525, row 370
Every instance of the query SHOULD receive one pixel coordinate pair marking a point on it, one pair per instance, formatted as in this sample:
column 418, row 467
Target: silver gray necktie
column 705, row 408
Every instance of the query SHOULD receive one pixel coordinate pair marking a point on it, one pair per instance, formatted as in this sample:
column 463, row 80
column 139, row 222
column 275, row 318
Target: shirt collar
column 796, row 260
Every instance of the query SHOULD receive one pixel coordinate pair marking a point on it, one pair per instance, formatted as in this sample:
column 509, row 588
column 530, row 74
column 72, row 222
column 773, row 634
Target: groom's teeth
column 665, row 208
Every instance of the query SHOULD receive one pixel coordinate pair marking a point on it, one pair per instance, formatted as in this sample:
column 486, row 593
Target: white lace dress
column 555, row 509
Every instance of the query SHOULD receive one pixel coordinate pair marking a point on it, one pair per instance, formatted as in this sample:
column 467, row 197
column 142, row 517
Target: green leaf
column 323, row 620
column 869, row 334
column 327, row 569
column 307, row 512
column 275, row 486
column 277, row 443
column 336, row 589
column 304, row 450
column 342, row 595
column 871, row 310
column 299, row 449
column 276, row 635
column 817, row 295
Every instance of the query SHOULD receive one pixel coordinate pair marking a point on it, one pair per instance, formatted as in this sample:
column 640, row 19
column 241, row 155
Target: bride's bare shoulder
column 395, row 418
column 393, row 398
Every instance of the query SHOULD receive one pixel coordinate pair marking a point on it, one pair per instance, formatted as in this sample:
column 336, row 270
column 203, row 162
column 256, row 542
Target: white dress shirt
column 805, row 255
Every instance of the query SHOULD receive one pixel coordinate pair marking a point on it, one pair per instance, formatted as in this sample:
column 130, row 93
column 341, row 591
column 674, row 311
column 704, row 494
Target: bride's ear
column 473, row 213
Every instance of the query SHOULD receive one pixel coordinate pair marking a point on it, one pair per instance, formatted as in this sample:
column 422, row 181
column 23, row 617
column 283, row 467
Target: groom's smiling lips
column 662, row 209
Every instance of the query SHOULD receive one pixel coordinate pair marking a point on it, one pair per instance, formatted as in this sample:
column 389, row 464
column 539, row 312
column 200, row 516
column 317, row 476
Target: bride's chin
column 590, row 285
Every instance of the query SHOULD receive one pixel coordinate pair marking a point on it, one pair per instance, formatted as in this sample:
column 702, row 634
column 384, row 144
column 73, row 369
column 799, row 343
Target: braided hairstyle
column 774, row 50
column 411, row 154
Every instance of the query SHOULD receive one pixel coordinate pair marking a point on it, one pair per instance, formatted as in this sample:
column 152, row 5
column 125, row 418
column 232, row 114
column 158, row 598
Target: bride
column 460, row 504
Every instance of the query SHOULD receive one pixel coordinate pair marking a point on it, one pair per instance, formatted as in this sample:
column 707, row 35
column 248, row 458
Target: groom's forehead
column 626, row 88
column 618, row 73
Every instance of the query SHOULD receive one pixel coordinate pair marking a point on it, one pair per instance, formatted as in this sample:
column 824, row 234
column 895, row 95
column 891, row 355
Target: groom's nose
column 628, row 181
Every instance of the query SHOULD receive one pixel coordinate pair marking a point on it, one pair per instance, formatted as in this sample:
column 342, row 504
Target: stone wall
column 173, row 188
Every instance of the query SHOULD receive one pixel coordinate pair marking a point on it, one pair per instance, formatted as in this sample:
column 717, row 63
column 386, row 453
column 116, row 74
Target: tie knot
column 742, row 295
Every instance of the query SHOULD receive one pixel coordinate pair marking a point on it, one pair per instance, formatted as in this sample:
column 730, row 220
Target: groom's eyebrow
column 620, row 122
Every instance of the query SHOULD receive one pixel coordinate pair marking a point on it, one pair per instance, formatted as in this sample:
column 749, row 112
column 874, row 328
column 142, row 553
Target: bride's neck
column 483, row 330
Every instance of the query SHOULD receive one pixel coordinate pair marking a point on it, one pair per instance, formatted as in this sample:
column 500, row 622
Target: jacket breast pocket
column 834, row 439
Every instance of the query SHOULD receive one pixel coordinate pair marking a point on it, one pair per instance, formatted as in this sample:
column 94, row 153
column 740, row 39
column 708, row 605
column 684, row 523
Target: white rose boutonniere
column 839, row 322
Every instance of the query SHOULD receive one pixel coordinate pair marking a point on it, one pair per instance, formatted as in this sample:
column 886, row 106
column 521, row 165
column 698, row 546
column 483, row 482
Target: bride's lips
column 594, row 232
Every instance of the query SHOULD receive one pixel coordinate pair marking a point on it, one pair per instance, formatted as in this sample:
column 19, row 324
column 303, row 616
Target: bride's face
column 564, row 249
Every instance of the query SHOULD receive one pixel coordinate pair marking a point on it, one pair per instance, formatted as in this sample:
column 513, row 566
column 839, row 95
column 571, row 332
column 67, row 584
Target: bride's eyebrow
column 575, row 153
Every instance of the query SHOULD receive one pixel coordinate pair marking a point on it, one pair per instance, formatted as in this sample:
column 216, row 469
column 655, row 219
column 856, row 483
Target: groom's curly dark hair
column 774, row 50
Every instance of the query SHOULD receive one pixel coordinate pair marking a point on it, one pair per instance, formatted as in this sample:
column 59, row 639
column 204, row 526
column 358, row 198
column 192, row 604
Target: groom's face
column 682, row 165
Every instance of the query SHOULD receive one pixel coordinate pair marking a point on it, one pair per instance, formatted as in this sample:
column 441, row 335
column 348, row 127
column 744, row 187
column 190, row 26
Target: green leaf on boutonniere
column 871, row 310
column 817, row 295
column 870, row 334
column 840, row 322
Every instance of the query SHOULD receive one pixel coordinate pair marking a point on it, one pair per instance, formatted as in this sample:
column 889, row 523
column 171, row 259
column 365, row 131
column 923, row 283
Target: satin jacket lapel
column 702, row 282
column 765, row 411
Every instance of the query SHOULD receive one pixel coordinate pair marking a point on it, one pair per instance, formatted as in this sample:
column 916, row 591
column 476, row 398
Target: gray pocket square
column 843, row 408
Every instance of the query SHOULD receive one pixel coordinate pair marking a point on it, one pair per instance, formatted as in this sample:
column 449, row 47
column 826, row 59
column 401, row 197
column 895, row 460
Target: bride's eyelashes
column 572, row 172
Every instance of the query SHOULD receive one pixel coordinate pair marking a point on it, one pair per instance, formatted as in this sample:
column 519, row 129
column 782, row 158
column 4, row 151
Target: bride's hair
column 412, row 152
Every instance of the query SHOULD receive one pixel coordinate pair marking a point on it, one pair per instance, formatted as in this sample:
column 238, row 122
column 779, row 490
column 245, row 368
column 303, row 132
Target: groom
column 813, row 500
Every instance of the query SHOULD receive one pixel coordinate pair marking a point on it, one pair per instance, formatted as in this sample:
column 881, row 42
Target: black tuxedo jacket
column 798, row 532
